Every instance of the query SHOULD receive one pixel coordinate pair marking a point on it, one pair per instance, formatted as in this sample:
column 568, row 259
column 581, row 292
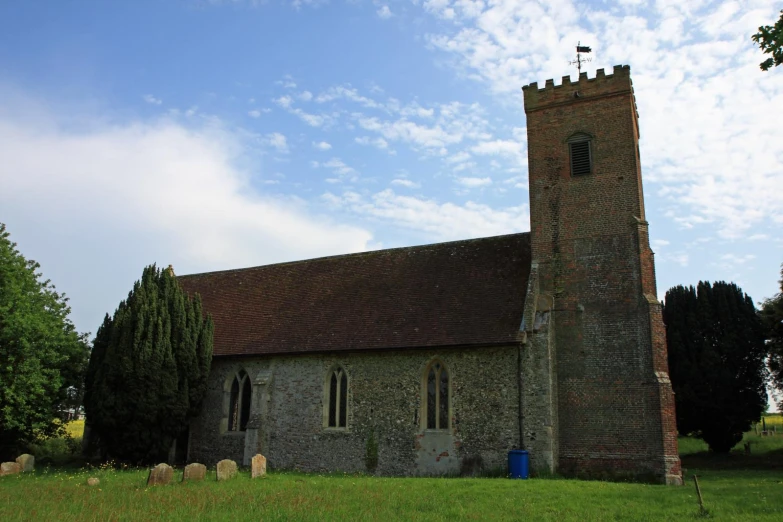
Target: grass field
column 75, row 428
column 735, row 487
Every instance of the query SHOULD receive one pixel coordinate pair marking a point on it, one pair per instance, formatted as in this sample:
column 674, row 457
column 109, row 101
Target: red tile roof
column 459, row 293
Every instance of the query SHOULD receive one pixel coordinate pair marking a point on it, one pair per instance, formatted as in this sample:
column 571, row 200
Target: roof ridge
column 355, row 254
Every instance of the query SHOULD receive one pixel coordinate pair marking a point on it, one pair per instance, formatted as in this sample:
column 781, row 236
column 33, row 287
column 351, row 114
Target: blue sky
column 221, row 134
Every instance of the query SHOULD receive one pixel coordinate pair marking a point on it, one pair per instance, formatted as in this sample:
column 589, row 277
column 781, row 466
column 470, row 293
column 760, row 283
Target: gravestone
column 27, row 462
column 10, row 468
column 93, row 481
column 194, row 471
column 226, row 469
column 258, row 466
column 160, row 475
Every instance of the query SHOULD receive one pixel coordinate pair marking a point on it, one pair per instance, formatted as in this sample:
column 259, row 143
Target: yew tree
column 772, row 316
column 148, row 370
column 716, row 361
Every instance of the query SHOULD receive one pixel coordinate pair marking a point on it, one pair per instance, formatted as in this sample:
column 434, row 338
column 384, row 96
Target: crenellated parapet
column 568, row 92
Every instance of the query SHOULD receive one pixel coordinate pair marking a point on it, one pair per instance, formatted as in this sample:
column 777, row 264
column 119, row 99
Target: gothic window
column 436, row 405
column 337, row 398
column 239, row 405
column 581, row 155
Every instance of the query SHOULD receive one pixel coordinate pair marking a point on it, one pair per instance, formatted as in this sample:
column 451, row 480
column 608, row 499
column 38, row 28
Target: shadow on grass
column 771, row 460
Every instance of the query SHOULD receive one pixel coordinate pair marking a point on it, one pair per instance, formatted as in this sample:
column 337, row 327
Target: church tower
column 611, row 406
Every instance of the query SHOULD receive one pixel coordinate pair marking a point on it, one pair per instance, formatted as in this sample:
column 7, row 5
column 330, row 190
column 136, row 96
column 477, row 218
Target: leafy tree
column 148, row 369
column 772, row 316
column 716, row 361
column 42, row 357
column 770, row 40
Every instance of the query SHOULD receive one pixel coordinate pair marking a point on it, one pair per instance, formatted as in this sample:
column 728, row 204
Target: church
column 439, row 359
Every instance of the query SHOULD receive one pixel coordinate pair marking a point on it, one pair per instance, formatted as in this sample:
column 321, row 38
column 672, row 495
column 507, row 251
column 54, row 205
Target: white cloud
column 459, row 157
column 284, row 101
column 278, row 141
column 378, row 143
column 305, row 95
column 339, row 166
column 704, row 104
column 136, row 192
column 322, row 145
column 733, row 259
column 254, row 114
column 474, row 182
column 347, row 93
column 441, row 221
column 405, row 183
column 152, row 100
column 410, row 132
column 340, row 170
column 498, row 148
column 313, row 120
column 384, row 12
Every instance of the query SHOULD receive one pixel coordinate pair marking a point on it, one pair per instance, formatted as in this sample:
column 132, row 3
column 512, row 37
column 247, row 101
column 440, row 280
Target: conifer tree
column 716, row 361
column 772, row 316
column 148, row 369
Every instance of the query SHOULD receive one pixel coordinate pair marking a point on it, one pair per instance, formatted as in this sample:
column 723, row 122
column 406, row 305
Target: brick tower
column 612, row 406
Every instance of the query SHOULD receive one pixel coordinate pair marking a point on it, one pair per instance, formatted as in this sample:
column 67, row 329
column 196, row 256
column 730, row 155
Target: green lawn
column 122, row 495
column 735, row 487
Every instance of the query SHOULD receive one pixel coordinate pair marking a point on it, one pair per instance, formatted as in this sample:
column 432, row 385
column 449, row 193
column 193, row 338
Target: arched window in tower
column 239, row 405
column 436, row 406
column 580, row 154
column 337, row 398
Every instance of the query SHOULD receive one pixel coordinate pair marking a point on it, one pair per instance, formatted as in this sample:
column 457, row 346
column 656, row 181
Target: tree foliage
column 770, row 40
column 772, row 316
column 716, row 361
column 148, row 369
column 42, row 357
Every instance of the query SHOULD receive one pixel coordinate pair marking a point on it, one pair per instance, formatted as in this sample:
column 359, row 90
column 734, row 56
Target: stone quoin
column 439, row 359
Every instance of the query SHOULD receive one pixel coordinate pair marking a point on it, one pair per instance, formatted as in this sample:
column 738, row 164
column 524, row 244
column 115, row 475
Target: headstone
column 194, row 471
column 226, row 469
column 160, row 475
column 258, row 466
column 27, row 462
column 93, row 481
column 10, row 468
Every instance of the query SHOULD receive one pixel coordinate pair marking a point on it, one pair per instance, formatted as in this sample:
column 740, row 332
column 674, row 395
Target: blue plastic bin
column 518, row 464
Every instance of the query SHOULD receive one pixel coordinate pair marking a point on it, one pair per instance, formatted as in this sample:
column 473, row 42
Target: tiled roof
column 458, row 293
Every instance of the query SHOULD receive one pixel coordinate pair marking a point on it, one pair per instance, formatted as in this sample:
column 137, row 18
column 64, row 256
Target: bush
column 57, row 451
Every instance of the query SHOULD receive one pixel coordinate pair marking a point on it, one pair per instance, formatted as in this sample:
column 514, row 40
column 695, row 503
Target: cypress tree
column 716, row 361
column 148, row 370
column 772, row 317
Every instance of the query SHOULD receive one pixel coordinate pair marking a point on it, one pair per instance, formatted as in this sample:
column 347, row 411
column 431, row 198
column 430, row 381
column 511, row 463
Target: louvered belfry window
column 581, row 155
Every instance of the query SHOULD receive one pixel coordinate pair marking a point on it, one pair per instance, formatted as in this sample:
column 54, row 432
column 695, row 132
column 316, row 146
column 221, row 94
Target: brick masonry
column 614, row 403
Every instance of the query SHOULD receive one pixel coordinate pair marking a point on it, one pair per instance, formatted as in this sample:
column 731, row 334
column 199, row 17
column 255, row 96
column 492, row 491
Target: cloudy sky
column 216, row 134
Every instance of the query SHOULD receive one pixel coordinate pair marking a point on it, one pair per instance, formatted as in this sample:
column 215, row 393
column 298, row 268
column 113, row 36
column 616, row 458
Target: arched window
column 239, row 406
column 336, row 398
column 580, row 154
column 436, row 405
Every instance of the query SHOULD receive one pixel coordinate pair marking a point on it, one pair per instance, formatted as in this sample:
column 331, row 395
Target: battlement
column 619, row 82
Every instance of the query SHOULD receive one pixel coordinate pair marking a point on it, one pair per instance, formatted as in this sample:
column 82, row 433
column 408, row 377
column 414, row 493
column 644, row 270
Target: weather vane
column 579, row 60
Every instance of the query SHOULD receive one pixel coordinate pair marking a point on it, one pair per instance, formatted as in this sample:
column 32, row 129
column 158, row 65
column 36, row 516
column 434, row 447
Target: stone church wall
column 385, row 397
